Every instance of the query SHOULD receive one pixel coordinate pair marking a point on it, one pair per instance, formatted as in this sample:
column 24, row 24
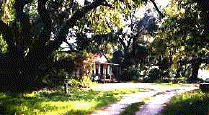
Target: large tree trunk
column 24, row 69
column 195, row 67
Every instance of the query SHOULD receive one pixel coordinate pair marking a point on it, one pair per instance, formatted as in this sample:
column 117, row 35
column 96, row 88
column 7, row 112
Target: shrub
column 154, row 75
column 86, row 82
column 131, row 75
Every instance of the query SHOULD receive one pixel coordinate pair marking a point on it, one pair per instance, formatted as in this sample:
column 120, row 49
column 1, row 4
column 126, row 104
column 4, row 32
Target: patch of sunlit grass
column 46, row 102
column 195, row 102
column 30, row 94
column 169, row 84
column 146, row 99
column 120, row 90
column 63, row 107
column 131, row 109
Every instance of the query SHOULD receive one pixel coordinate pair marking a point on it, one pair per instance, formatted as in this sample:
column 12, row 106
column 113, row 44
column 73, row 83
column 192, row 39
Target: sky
column 163, row 3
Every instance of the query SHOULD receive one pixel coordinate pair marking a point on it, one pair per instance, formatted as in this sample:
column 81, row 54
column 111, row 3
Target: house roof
column 101, row 59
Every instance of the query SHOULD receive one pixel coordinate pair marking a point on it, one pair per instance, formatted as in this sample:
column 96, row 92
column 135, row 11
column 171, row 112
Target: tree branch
column 160, row 13
column 107, row 4
column 39, row 47
column 70, row 23
column 6, row 32
column 123, row 43
column 24, row 19
column 44, row 14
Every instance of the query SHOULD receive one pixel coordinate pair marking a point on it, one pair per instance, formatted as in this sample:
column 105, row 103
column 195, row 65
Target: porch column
column 99, row 68
column 104, row 71
column 108, row 70
column 94, row 66
column 111, row 70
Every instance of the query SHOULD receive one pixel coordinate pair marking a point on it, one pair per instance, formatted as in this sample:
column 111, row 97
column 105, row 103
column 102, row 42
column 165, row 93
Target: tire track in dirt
column 158, row 102
column 159, row 97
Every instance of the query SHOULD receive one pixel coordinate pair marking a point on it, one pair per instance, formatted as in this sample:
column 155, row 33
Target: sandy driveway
column 153, row 107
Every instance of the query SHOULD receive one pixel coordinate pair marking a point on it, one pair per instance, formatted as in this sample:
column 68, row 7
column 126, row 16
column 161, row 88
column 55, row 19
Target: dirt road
column 153, row 107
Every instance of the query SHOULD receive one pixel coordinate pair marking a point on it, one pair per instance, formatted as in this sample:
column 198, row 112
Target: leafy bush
column 130, row 75
column 86, row 82
column 154, row 75
column 74, row 83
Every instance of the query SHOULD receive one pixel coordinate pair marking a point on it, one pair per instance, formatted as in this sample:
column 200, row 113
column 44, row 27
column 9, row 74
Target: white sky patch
column 81, row 2
column 160, row 3
column 163, row 3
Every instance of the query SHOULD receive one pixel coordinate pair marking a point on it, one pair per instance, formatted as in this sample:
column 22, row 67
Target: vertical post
column 104, row 73
column 66, row 84
column 117, row 70
column 108, row 71
column 99, row 68
column 94, row 66
column 111, row 72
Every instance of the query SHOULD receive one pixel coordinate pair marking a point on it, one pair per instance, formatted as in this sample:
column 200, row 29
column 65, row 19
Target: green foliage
column 174, row 10
column 154, row 75
column 184, row 32
column 194, row 102
column 3, row 95
column 176, row 59
column 86, row 82
column 74, row 83
column 159, row 46
column 3, row 45
column 180, row 25
column 32, row 9
column 7, row 11
column 131, row 74
column 104, row 19
column 101, row 18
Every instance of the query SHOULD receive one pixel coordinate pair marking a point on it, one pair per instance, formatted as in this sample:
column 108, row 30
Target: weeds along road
column 159, row 95
column 152, row 86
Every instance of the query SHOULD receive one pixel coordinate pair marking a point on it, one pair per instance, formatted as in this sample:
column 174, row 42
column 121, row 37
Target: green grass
column 189, row 103
column 80, row 101
column 131, row 109
column 169, row 84
column 3, row 96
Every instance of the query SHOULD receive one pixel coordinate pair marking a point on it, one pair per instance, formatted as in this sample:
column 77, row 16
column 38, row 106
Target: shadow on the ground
column 131, row 109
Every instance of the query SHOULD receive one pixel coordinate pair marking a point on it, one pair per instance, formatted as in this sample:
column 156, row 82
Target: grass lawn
column 188, row 103
column 44, row 102
column 170, row 84
column 131, row 109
